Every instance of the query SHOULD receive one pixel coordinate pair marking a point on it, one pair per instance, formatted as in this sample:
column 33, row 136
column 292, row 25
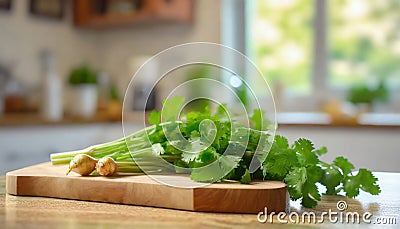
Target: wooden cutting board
column 50, row 181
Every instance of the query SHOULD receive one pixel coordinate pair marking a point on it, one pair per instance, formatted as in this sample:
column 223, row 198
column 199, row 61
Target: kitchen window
column 313, row 51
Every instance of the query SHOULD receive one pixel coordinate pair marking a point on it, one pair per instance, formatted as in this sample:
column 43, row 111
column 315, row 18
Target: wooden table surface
column 37, row 212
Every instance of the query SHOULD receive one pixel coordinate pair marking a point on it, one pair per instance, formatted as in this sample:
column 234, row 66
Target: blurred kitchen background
column 332, row 65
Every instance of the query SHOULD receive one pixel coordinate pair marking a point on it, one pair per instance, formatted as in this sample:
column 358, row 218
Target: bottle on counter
column 52, row 105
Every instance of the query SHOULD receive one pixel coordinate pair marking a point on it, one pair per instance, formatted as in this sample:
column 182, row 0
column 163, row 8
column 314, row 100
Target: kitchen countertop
column 34, row 119
column 306, row 119
column 320, row 119
column 38, row 212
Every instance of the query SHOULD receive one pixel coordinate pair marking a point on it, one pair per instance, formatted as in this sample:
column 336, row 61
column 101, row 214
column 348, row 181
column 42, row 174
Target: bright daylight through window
column 360, row 41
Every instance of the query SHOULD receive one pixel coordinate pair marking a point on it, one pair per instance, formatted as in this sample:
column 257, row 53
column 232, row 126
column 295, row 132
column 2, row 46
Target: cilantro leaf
column 343, row 164
column 279, row 163
column 304, row 149
column 303, row 144
column 280, row 143
column 280, row 159
column 307, row 158
column 310, row 190
column 351, row 186
column 364, row 180
column 321, row 151
column 314, row 173
column 171, row 108
column 207, row 156
column 256, row 119
column 246, row 178
column 368, row 182
column 301, row 183
column 154, row 117
column 310, row 195
column 295, row 181
column 215, row 171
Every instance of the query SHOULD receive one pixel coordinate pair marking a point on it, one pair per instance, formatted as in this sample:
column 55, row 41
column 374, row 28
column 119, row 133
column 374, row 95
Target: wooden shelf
column 151, row 11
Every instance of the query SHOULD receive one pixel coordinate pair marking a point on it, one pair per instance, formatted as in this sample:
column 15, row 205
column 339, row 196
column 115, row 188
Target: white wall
column 375, row 148
column 23, row 146
column 23, row 36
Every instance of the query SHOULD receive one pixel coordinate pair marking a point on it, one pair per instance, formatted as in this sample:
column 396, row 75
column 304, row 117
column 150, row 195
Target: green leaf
column 301, row 183
column 280, row 143
column 194, row 134
column 310, row 195
column 295, row 180
column 303, row 145
column 154, row 117
column 314, row 174
column 222, row 138
column 312, row 190
column 364, row 180
column 171, row 108
column 208, row 156
column 343, row 164
column 321, row 151
column 307, row 158
column 279, row 163
column 156, row 135
column 246, row 178
column 368, row 182
column 308, row 202
column 351, row 186
column 215, row 171
column 257, row 120
column 304, row 149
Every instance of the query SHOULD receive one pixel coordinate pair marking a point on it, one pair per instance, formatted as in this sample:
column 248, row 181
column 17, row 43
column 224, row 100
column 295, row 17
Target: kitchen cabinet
column 107, row 13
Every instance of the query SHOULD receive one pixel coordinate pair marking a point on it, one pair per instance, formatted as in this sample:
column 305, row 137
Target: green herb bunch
column 297, row 164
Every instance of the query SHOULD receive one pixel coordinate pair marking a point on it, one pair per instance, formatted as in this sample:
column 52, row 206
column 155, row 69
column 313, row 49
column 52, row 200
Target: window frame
column 235, row 33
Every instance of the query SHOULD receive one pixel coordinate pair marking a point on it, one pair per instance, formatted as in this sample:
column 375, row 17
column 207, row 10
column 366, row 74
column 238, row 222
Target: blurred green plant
column 82, row 75
column 357, row 53
column 282, row 42
column 364, row 94
column 114, row 95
